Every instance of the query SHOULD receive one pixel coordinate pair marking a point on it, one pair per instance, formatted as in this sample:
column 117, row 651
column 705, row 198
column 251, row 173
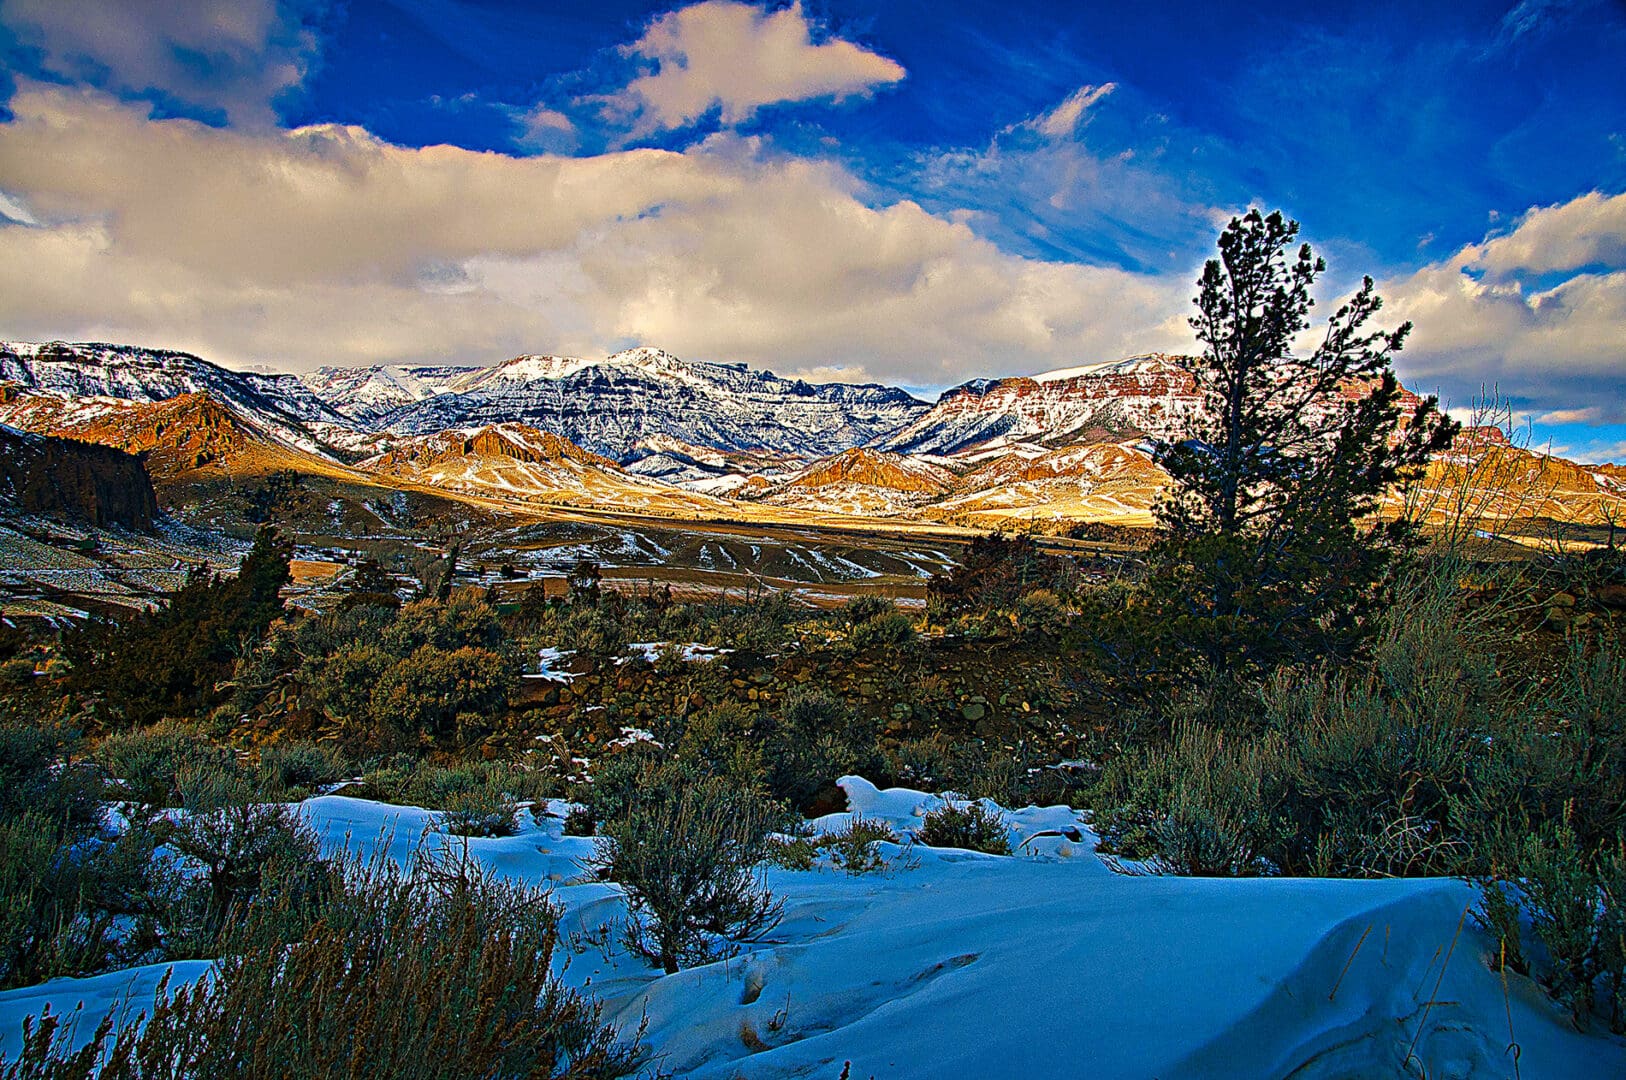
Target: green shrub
column 813, row 739
column 37, row 774
column 893, row 630
column 853, row 848
column 427, row 692
column 174, row 661
column 1563, row 898
column 438, row 974
column 148, row 764
column 686, row 853
column 1042, row 613
column 487, row 810
column 971, row 826
column 28, row 910
column 725, row 740
column 579, row 822
column 242, row 847
column 791, row 852
column 861, row 609
column 297, row 769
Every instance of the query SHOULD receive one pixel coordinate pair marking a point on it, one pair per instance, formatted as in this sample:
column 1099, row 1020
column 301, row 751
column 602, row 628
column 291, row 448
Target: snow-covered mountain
column 73, row 372
column 368, row 394
column 609, row 405
column 683, row 438
column 1151, row 395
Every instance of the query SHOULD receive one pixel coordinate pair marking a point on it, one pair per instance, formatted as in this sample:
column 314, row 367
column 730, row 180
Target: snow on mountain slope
column 608, row 406
column 516, row 461
column 367, row 394
column 1143, row 395
column 703, row 468
column 279, row 402
column 1038, row 966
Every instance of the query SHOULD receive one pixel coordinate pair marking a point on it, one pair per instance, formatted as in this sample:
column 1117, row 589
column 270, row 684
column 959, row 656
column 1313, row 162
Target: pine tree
column 1272, row 546
column 168, row 662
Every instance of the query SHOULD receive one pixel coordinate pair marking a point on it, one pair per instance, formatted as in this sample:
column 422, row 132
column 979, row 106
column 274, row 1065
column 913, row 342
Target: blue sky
column 910, row 192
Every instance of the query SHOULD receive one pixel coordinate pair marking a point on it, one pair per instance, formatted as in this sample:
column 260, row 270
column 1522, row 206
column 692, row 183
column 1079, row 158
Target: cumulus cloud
column 234, row 56
column 1586, row 231
column 736, row 58
column 328, row 245
column 1536, row 312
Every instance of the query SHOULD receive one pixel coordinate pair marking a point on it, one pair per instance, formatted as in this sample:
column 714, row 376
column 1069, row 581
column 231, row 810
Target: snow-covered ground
column 1044, row 964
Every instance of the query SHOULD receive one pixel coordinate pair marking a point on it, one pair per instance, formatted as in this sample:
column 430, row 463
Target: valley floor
column 1045, row 964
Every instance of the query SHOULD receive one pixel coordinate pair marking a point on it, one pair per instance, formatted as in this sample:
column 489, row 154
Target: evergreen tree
column 167, row 662
column 1272, row 547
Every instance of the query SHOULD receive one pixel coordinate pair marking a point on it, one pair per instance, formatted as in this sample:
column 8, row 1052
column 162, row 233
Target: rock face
column 1106, row 481
column 78, row 481
column 859, row 481
column 874, row 468
column 516, row 442
column 1143, row 395
column 174, row 436
column 609, row 406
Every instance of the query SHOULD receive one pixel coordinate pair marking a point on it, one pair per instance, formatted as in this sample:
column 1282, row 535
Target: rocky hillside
column 1143, row 395
column 519, row 462
column 1116, row 482
column 860, row 481
column 73, row 372
column 80, row 482
column 609, row 406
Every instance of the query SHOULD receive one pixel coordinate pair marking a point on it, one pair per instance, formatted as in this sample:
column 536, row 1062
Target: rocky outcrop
column 519, row 442
column 175, row 436
column 873, row 468
column 78, row 481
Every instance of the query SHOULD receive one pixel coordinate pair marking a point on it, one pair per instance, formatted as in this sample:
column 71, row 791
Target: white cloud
column 231, row 55
column 1586, row 231
column 328, row 245
column 1590, row 415
column 1062, row 121
column 736, row 58
column 542, row 128
column 1480, row 324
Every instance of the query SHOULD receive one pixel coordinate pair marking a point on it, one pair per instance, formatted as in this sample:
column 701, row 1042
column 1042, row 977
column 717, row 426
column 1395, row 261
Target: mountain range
column 646, row 432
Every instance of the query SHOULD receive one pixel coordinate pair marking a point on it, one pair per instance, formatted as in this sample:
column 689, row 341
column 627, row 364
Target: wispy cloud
column 1096, row 177
column 1062, row 121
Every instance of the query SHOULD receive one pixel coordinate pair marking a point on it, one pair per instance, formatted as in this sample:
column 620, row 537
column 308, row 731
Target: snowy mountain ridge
column 282, row 404
column 609, row 406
